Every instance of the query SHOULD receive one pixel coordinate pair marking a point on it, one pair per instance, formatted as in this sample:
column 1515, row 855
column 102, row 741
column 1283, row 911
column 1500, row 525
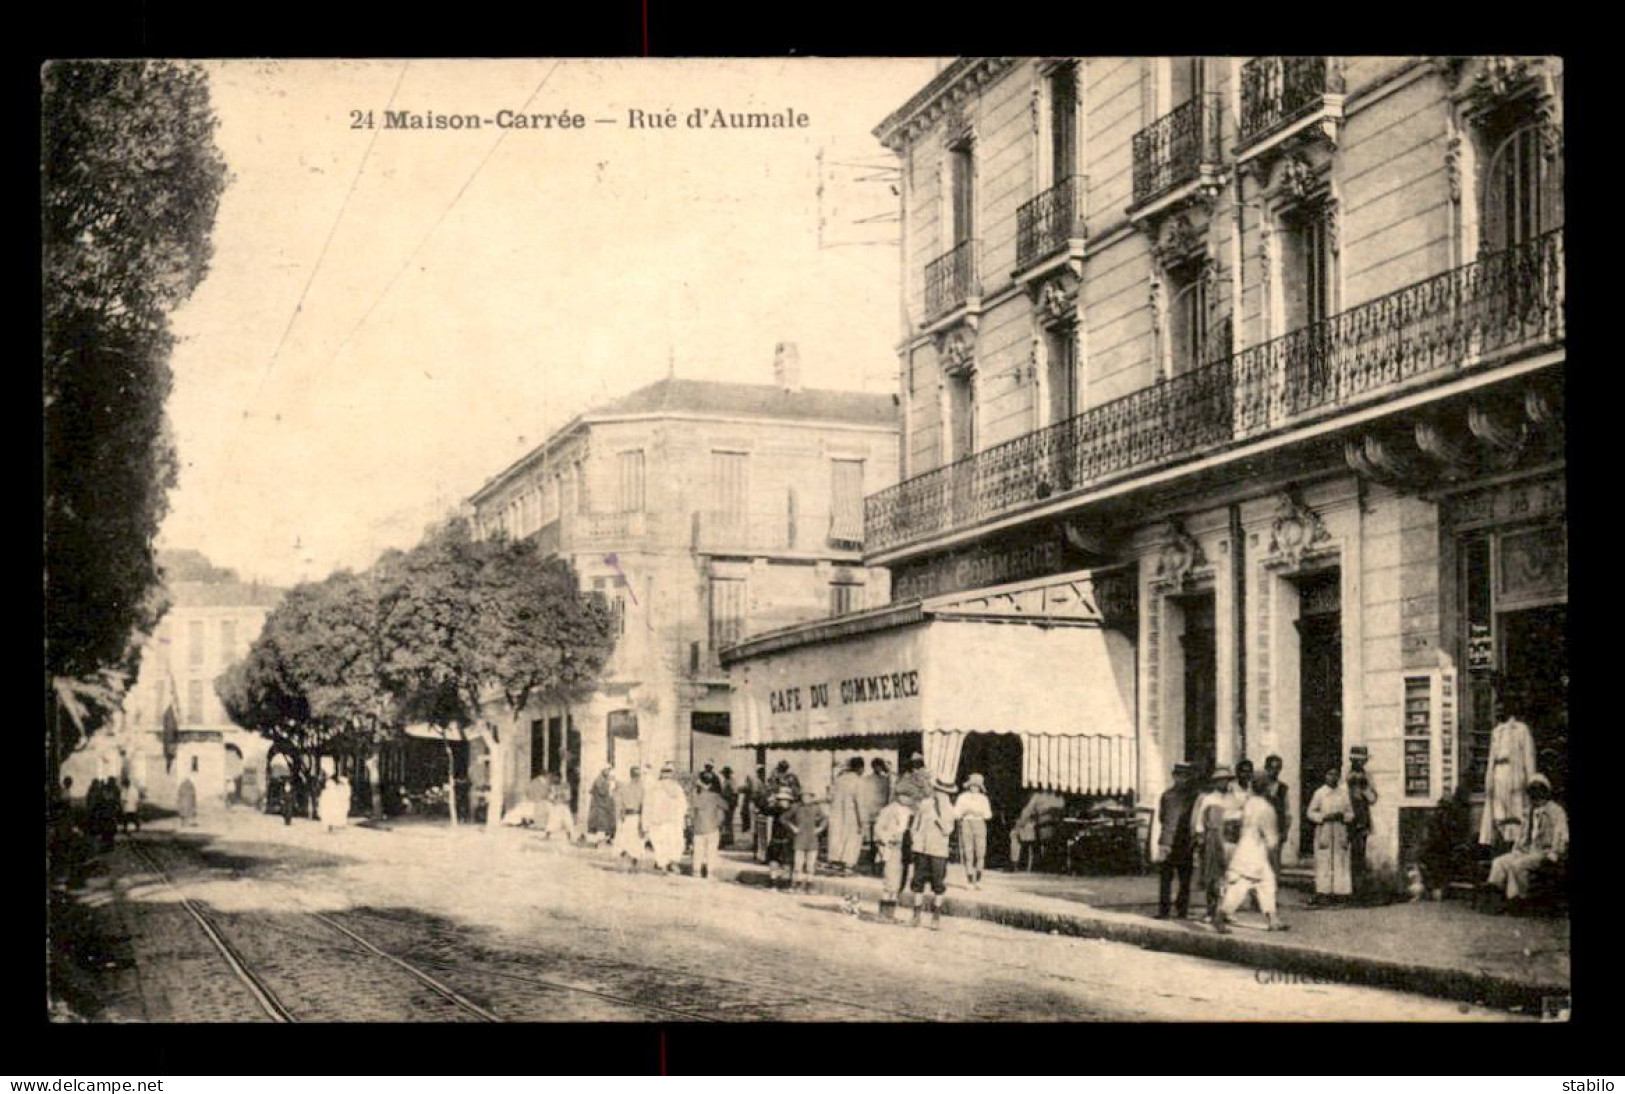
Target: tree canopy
column 131, row 180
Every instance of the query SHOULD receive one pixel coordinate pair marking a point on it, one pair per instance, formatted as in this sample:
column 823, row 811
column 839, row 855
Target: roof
column 722, row 399
column 752, row 400
column 223, row 594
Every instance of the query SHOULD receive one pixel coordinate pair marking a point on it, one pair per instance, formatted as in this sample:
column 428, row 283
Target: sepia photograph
column 805, row 540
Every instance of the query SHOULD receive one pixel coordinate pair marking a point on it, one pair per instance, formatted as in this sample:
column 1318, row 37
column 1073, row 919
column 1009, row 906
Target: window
column 962, row 188
column 1523, row 195
column 727, row 611
column 581, row 487
column 1063, row 122
column 538, row 747
column 631, row 482
column 1061, row 373
column 846, row 501
column 730, row 487
column 961, row 416
column 194, row 702
column 1187, row 81
column 194, row 642
column 228, row 640
column 1307, row 264
column 194, row 765
column 550, row 500
column 845, row 597
column 1188, row 317
column 610, row 589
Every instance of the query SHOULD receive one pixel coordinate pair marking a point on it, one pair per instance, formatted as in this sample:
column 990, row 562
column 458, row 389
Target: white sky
column 570, row 268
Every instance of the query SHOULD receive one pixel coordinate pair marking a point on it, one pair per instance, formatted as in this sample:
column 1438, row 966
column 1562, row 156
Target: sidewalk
column 1447, row 950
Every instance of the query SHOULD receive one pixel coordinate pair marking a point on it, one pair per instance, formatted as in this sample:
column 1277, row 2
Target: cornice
column 953, row 85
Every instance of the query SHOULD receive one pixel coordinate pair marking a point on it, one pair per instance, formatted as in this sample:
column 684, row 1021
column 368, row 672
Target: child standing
column 892, row 821
column 805, row 822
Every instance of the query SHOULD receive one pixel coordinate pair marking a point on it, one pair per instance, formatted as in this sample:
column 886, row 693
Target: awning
column 1059, row 680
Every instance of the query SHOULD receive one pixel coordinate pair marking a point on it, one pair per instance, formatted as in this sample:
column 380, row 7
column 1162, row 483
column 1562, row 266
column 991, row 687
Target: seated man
column 1447, row 853
column 1544, row 842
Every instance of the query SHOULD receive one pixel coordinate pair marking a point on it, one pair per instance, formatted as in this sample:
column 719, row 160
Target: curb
column 1461, row 985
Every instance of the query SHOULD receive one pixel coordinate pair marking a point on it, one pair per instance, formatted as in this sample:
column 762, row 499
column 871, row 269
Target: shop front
column 1022, row 683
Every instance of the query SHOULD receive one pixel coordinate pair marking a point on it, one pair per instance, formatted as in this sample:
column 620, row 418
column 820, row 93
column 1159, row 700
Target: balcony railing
column 1172, row 150
column 951, row 280
column 1046, row 223
column 1508, row 302
column 1278, row 90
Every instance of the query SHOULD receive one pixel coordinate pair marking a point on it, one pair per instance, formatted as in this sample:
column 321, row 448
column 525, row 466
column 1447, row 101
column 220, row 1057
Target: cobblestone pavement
column 535, row 931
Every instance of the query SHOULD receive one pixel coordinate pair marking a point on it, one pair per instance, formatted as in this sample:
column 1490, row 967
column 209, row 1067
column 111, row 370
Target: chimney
column 787, row 366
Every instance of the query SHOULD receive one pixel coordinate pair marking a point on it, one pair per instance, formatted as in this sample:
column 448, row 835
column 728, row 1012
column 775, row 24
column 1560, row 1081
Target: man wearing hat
column 780, row 839
column 933, row 825
column 1542, row 842
column 891, row 825
column 917, row 781
column 629, row 834
column 664, row 807
column 974, row 812
column 1362, row 796
column 1208, row 818
column 1174, row 841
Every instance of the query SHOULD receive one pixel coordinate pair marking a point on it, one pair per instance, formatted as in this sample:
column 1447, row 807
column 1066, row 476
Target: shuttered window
column 846, row 501
column 727, row 611
column 631, row 482
column 730, row 487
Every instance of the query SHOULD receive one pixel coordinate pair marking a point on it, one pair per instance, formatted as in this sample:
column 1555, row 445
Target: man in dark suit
column 1174, row 842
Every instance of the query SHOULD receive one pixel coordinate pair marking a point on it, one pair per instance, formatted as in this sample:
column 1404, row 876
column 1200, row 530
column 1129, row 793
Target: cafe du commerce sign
column 861, row 685
column 1033, row 553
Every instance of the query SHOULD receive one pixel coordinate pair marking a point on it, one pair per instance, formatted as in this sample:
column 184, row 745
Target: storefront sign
column 1480, row 646
column 1035, row 553
column 1513, row 501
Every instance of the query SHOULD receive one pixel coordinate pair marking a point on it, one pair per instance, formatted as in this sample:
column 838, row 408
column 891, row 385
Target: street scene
column 932, row 539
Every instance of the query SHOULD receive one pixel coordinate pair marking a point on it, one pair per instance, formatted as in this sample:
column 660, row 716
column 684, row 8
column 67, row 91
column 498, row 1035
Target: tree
column 131, row 180
column 481, row 623
column 261, row 693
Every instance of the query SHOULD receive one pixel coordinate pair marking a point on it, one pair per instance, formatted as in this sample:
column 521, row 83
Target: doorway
column 1534, row 683
column 1199, row 651
column 1320, row 692
column 998, row 757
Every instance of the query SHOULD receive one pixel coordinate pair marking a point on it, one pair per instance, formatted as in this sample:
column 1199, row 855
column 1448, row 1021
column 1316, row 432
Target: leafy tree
column 131, row 179
column 261, row 693
column 491, row 624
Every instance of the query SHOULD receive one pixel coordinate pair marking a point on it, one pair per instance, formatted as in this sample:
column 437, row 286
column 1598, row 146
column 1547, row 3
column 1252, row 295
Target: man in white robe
column 1330, row 811
column 1251, row 870
column 1506, row 783
column 664, row 808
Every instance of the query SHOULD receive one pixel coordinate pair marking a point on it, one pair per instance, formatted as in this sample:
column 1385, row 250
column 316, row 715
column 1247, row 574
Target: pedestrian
column 707, row 816
column 334, row 804
column 601, row 811
column 131, row 813
column 285, row 796
column 806, row 823
column 873, row 795
column 1511, row 766
column 1207, row 836
column 1174, row 842
column 557, row 817
column 752, row 800
column 1330, row 812
column 186, row 802
column 1279, row 795
column 780, row 839
column 104, row 812
column 1251, row 871
column 932, row 827
column 892, row 823
column 784, row 778
column 1544, row 842
column 973, row 812
column 916, row 778
column 664, row 808
column 1035, row 829
column 1362, row 796
column 730, row 800
column 629, row 835
column 846, row 817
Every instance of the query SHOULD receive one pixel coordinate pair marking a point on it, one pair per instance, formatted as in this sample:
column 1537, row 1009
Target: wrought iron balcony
column 1506, row 303
column 1276, row 91
column 1046, row 223
column 951, row 280
column 1173, row 149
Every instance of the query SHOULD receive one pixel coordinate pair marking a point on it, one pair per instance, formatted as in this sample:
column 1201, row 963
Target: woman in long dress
column 1330, row 811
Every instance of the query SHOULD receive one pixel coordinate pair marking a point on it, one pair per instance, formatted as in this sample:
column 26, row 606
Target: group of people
column 1227, row 832
column 111, row 805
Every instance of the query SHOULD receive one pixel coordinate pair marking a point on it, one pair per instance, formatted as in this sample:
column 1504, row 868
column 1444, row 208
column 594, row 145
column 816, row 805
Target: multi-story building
column 703, row 511
column 1250, row 372
column 212, row 620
